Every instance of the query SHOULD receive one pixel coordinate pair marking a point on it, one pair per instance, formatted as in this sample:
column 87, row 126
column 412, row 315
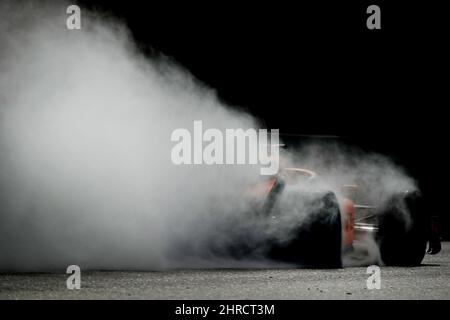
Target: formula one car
column 311, row 227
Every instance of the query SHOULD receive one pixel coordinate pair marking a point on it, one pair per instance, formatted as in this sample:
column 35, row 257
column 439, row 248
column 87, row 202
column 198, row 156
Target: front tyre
column 403, row 230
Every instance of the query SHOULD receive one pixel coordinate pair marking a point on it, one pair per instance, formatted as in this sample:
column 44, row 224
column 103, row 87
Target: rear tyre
column 317, row 241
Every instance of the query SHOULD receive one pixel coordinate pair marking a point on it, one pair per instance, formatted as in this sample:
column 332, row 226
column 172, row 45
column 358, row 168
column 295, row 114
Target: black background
column 315, row 69
column 154, row 309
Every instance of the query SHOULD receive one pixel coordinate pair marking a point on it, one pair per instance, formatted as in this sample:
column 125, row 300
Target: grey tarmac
column 429, row 281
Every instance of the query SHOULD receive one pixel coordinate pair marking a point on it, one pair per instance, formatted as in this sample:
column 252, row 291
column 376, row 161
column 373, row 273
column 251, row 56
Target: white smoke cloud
column 85, row 145
column 337, row 165
column 85, row 170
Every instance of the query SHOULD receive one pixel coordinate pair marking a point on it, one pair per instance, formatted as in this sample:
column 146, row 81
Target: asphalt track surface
column 429, row 281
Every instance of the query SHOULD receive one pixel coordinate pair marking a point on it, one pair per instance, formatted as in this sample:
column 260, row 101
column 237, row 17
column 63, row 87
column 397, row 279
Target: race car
column 313, row 227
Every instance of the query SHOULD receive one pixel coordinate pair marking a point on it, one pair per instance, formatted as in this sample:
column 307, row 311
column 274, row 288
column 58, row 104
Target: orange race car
column 320, row 228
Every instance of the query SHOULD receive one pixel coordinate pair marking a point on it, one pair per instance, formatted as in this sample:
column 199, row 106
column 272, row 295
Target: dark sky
column 308, row 68
column 311, row 68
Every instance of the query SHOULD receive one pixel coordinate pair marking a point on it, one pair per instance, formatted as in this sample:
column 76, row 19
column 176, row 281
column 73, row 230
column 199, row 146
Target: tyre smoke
column 85, row 171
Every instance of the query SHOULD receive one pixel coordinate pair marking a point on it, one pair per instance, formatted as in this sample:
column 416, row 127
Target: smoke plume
column 86, row 176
